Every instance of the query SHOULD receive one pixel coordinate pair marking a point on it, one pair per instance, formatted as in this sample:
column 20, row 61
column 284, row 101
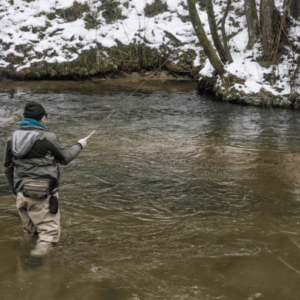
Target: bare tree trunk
column 288, row 7
column 214, row 31
column 252, row 22
column 295, row 9
column 204, row 41
column 267, row 25
column 224, row 32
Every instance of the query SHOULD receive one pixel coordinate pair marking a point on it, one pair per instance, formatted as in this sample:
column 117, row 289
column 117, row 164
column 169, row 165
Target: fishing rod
column 113, row 112
column 124, row 101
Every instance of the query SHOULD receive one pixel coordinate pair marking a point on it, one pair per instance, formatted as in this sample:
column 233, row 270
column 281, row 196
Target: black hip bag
column 40, row 190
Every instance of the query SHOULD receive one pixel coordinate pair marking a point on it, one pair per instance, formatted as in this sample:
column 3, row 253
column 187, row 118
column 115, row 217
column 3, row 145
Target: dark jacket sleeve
column 64, row 156
column 9, row 165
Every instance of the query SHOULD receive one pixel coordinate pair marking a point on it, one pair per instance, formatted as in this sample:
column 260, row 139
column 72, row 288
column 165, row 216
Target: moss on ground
column 25, row 29
column 47, row 25
column 111, row 11
column 74, row 12
column 227, row 92
column 234, row 23
column 157, row 7
column 103, row 61
column 91, row 21
column 51, row 16
column 54, row 32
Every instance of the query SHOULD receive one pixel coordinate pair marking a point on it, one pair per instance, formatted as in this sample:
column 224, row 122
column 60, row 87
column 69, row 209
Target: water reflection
column 177, row 197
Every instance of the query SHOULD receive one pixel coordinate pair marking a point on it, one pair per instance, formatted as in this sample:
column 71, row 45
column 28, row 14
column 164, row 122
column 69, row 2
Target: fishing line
column 124, row 101
column 116, row 109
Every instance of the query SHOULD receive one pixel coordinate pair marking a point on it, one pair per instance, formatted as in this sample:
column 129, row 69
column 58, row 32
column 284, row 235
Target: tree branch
column 224, row 32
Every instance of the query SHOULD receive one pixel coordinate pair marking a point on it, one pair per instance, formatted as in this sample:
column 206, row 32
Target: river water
column 178, row 196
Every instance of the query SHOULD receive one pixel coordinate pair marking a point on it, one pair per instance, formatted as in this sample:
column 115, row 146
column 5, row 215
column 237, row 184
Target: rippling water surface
column 178, row 196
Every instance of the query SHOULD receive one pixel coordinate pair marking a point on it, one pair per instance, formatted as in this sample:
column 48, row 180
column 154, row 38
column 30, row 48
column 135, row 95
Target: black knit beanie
column 34, row 110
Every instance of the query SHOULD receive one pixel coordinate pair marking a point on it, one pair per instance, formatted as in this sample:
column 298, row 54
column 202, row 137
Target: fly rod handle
column 90, row 135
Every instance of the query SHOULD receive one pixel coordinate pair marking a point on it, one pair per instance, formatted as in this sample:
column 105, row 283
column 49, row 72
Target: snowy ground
column 18, row 14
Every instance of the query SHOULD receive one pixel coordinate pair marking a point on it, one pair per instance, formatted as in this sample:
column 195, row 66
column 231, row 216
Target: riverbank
column 67, row 40
column 163, row 81
column 97, row 84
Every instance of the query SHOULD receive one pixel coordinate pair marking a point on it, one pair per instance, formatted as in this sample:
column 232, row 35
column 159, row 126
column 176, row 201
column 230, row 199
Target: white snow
column 136, row 27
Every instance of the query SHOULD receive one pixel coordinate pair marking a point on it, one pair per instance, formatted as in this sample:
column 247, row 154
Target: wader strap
column 53, row 191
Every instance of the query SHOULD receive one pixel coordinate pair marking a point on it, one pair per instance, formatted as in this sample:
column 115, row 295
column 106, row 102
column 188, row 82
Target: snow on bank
column 244, row 64
column 136, row 27
column 21, row 23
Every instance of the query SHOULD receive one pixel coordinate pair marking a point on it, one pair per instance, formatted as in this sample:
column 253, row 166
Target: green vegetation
column 51, row 16
column 74, row 12
column 41, row 35
column 26, row 48
column 86, row 7
column 91, row 21
column 54, row 32
column 41, row 14
column 135, row 57
column 227, row 92
column 111, row 10
column 157, row 7
column 47, row 25
column 234, row 23
column 25, row 29
column 11, row 2
column 40, row 30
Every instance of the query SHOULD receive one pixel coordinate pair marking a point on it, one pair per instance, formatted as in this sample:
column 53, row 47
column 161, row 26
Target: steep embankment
column 84, row 38
column 67, row 39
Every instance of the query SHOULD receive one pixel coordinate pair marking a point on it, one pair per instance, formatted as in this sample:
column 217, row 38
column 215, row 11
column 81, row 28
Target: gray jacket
column 33, row 154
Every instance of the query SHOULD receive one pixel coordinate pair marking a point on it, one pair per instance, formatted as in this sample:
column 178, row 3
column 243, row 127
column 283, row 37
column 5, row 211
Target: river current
column 177, row 196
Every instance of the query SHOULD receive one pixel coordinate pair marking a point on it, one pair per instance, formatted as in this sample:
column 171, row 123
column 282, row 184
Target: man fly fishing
column 31, row 166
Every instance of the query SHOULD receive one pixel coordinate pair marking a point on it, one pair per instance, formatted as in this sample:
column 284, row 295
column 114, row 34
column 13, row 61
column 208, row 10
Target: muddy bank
column 101, row 62
column 96, row 84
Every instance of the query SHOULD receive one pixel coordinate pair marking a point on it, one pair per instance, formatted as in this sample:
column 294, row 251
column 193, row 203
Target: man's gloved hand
column 83, row 142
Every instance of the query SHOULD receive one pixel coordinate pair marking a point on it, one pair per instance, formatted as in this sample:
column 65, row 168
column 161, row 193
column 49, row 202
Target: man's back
column 33, row 153
column 31, row 167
